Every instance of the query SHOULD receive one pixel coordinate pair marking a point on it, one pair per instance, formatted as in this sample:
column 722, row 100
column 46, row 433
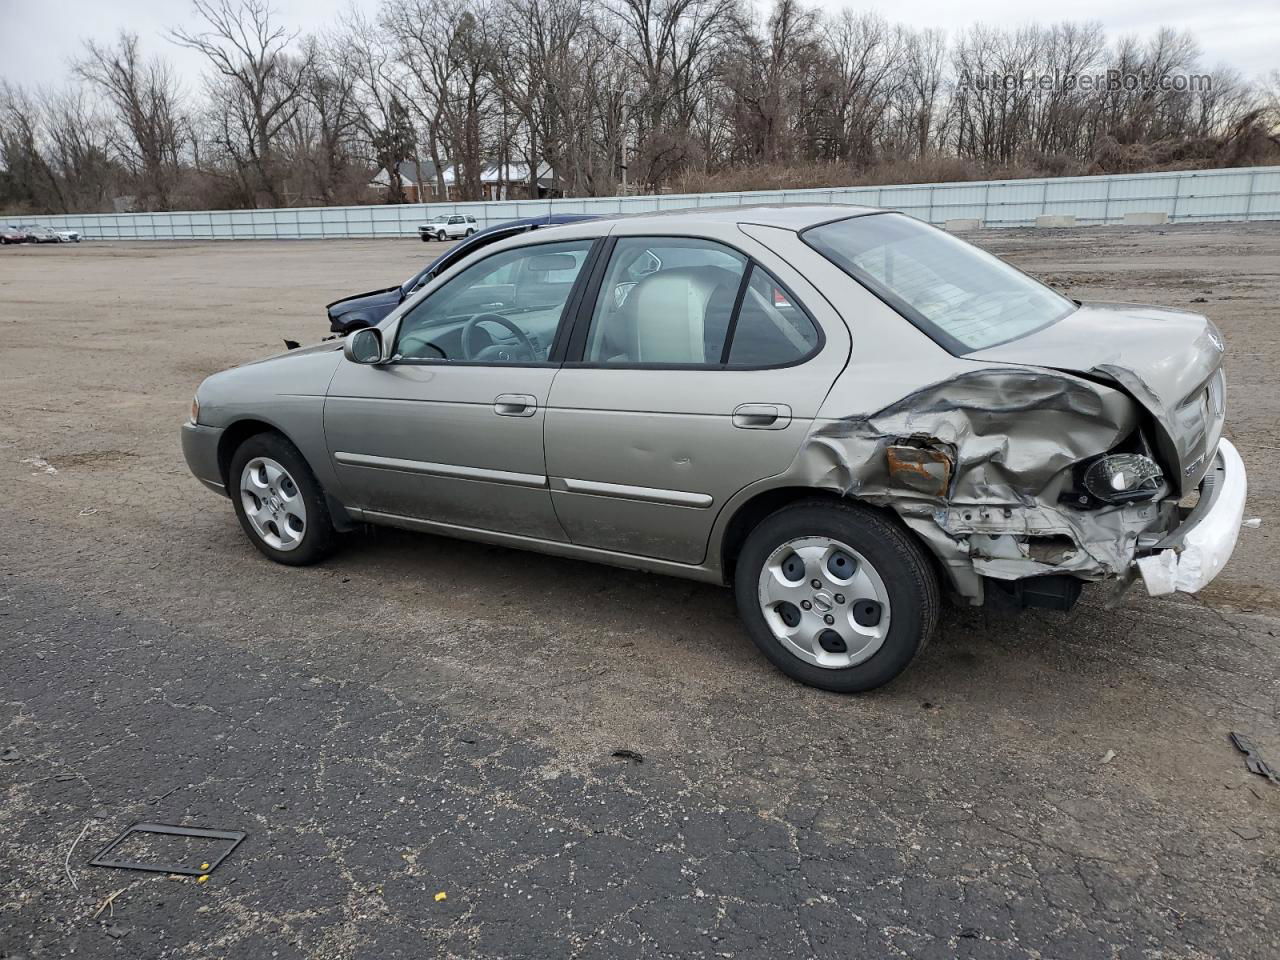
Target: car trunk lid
column 1168, row 360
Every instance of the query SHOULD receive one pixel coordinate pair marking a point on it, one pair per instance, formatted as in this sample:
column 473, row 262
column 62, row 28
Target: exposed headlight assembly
column 1122, row 478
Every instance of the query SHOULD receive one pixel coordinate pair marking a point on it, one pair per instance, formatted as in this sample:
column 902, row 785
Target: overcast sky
column 38, row 36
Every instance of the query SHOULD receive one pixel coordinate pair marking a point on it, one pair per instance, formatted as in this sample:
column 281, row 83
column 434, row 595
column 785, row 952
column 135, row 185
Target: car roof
column 790, row 216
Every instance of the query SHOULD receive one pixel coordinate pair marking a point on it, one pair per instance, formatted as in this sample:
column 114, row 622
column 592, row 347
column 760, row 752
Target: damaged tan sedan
column 839, row 411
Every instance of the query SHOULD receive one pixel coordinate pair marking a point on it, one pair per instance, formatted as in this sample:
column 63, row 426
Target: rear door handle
column 515, row 405
column 762, row 416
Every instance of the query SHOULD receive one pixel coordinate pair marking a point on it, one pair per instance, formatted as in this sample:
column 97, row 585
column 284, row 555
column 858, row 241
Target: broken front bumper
column 1197, row 549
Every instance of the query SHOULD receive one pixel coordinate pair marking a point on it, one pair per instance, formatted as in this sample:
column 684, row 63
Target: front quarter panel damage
column 977, row 465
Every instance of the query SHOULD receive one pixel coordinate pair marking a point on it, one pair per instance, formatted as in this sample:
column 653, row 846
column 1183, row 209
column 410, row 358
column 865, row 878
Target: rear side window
column 672, row 301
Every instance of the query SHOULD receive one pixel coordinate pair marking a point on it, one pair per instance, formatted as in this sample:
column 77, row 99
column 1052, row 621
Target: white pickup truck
column 448, row 227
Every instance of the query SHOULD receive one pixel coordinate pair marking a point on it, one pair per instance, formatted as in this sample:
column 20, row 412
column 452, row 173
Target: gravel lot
column 421, row 716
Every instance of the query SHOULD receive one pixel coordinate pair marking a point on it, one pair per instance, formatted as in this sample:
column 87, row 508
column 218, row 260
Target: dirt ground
column 420, row 716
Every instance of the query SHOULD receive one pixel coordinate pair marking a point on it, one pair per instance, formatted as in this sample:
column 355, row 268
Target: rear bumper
column 200, row 447
column 1196, row 551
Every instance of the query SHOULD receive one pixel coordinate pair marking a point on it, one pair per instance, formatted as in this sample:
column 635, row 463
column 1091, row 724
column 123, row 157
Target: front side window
column 505, row 309
column 671, row 301
column 962, row 297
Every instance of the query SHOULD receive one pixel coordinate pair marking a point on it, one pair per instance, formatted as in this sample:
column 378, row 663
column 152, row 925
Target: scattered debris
column 1247, row 833
column 109, row 902
column 970, row 933
column 104, row 859
column 1108, row 756
column 10, row 754
column 291, row 344
column 41, row 466
column 203, row 878
column 1252, row 758
column 117, row 931
column 631, row 755
column 441, row 896
column 88, row 511
column 66, row 863
column 164, row 796
column 1253, row 523
column 1199, row 300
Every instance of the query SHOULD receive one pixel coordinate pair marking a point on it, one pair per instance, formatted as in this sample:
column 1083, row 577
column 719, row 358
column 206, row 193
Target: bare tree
column 77, row 137
column 448, row 55
column 255, row 89
column 673, row 46
column 381, row 116
column 148, row 118
column 867, row 55
column 31, row 178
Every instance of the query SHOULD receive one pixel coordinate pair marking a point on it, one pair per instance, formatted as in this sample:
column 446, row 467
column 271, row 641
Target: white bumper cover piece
column 1200, row 548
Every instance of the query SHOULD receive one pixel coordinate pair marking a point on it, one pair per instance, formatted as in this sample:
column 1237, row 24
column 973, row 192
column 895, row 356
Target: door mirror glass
column 363, row 346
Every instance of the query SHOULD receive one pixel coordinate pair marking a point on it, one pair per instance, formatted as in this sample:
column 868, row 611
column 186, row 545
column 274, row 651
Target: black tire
column 319, row 538
column 898, row 558
column 469, row 232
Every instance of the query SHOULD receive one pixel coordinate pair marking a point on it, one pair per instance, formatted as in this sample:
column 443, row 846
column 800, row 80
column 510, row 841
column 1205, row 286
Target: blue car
column 366, row 309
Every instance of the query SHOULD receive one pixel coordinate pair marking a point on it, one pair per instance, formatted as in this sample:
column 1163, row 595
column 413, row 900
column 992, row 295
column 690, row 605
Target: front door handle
column 762, row 416
column 515, row 405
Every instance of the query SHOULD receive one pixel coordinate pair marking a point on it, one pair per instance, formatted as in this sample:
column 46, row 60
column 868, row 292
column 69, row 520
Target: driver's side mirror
column 363, row 346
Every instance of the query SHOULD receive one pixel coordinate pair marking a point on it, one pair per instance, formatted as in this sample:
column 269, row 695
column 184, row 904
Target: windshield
column 964, row 298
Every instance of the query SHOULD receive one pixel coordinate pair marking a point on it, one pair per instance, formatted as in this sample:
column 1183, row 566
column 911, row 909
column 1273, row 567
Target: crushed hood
column 373, row 298
column 1166, row 359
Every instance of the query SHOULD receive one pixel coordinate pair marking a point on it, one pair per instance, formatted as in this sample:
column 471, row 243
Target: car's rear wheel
column 835, row 595
column 469, row 232
column 279, row 502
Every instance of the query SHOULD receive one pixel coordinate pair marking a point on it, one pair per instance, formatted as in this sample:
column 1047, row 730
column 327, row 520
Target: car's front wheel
column 279, row 501
column 836, row 595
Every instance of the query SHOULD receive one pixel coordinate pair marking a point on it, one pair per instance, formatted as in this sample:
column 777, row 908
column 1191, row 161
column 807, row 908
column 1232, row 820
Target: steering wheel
column 469, row 346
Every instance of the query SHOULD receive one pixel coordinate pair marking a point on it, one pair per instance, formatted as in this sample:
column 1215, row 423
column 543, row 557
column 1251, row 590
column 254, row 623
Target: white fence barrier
column 1245, row 193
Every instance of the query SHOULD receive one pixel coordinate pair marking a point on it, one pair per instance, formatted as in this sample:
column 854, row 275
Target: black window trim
column 564, row 325
column 909, row 313
column 591, row 294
